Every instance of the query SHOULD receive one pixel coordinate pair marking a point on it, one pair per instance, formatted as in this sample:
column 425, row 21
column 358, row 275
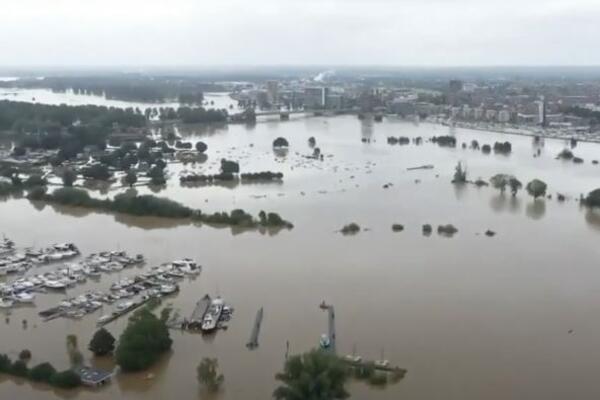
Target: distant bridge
column 251, row 114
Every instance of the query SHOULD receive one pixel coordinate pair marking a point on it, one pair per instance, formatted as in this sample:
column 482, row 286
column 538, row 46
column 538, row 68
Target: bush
column 502, row 148
column 96, row 171
column 5, row 363
column 565, row 154
column 35, row 180
column 42, row 372
column 208, row 374
column 351, row 228
column 68, row 177
column 25, row 355
column 397, row 227
column 231, row 167
column 19, row 368
column 37, row 193
column 444, row 141
column 102, row 343
column 65, row 380
column 201, row 147
column 593, row 198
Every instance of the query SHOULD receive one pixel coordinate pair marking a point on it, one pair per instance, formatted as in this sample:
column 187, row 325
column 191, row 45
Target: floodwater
column 515, row 316
column 70, row 98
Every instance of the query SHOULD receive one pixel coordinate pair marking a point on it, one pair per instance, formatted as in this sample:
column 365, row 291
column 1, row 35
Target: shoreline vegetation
column 131, row 203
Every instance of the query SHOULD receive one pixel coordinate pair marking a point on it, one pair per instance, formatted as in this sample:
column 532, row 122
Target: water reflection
column 592, row 217
column 143, row 382
column 204, row 130
column 459, row 190
column 536, row 209
column 281, row 152
column 498, row 202
column 366, row 129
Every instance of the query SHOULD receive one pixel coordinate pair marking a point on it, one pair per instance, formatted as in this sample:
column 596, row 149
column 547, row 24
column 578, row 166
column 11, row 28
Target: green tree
column 201, row 147
column 102, row 343
column 68, row 177
column 536, row 188
column 144, row 340
column 500, row 181
column 593, row 198
column 42, row 372
column 515, row 185
column 130, row 178
column 75, row 356
column 208, row 374
column 460, row 174
column 313, row 375
column 65, row 379
column 19, row 368
column 35, row 180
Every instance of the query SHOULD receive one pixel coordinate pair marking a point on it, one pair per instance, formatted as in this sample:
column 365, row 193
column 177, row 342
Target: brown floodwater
column 470, row 316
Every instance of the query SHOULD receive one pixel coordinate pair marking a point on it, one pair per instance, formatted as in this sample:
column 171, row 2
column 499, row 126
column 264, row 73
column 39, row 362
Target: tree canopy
column 208, row 374
column 144, row 340
column 536, row 188
column 102, row 343
column 313, row 375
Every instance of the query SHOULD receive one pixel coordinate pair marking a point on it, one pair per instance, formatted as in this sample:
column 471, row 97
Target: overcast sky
column 299, row 32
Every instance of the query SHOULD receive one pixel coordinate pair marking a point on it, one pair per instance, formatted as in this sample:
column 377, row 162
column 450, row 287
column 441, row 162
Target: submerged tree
column 102, row 343
column 515, row 185
column 143, row 341
column 536, row 188
column 130, row 178
column 75, row 356
column 500, row 181
column 208, row 374
column 68, row 177
column 313, row 375
column 460, row 174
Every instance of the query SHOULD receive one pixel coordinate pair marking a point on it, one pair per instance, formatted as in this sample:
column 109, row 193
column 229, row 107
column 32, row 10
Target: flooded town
column 299, row 232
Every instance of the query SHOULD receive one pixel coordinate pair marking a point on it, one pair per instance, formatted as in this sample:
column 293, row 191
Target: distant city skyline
column 433, row 33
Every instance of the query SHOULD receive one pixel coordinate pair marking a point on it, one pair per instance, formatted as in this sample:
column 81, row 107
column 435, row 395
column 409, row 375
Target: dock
column 253, row 342
column 118, row 314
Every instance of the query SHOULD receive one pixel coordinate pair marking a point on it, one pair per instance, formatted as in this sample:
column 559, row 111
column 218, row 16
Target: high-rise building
column 315, row 97
column 273, row 91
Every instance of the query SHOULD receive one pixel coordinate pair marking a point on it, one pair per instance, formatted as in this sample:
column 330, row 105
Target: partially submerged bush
column 397, row 227
column 351, row 228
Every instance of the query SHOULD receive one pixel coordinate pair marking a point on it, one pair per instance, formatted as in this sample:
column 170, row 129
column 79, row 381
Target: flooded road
column 470, row 316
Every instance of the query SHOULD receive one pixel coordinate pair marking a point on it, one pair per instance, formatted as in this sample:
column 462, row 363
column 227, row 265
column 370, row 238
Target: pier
column 253, row 342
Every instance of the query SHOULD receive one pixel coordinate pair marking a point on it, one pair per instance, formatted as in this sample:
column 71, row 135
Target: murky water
column 470, row 317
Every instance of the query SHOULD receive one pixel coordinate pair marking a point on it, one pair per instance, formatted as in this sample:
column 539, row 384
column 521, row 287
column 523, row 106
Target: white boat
column 212, row 315
column 24, row 297
column 168, row 289
column 124, row 306
column 381, row 363
column 353, row 358
column 324, row 341
column 104, row 318
column 55, row 284
column 6, row 303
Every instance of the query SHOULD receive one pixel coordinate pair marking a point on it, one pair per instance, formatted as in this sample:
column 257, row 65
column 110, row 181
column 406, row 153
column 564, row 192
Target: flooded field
column 70, row 98
column 470, row 317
